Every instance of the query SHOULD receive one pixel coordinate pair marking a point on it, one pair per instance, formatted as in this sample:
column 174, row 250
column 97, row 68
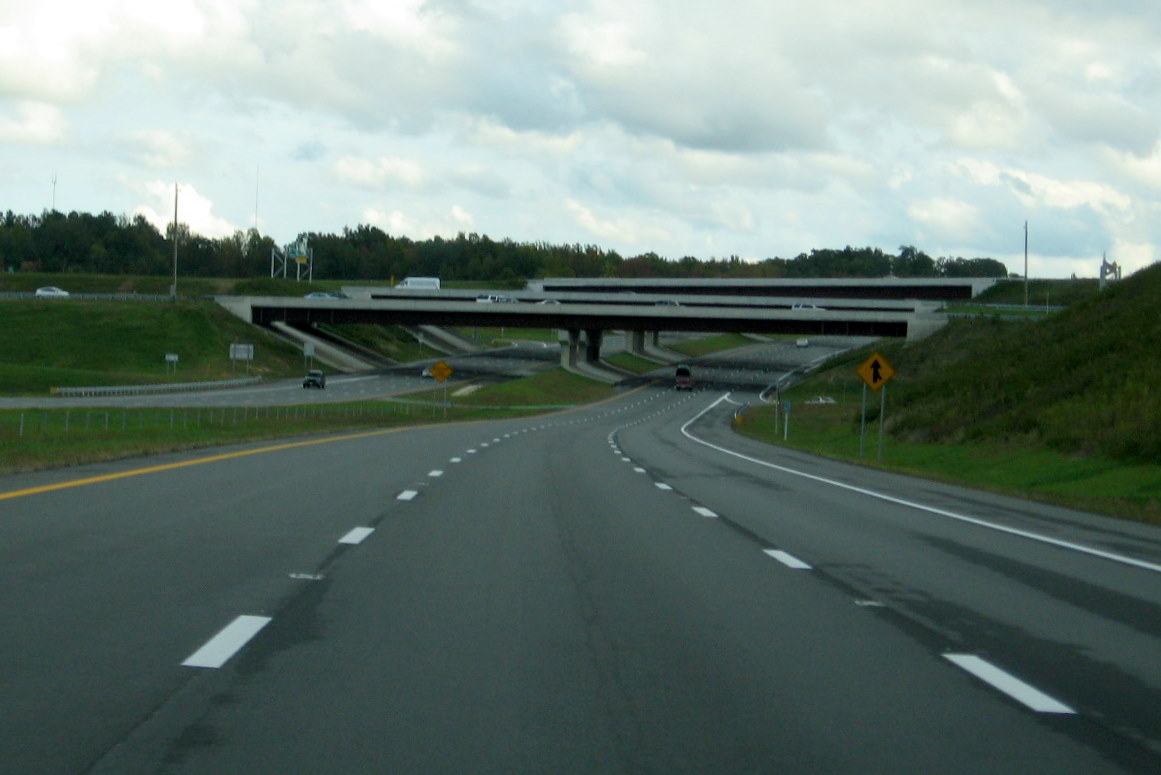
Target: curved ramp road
column 627, row 588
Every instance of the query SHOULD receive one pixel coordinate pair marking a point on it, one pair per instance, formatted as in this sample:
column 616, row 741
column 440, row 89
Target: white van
column 425, row 283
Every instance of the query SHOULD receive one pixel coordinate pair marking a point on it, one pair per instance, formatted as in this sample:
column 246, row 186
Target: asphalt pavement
column 629, row 587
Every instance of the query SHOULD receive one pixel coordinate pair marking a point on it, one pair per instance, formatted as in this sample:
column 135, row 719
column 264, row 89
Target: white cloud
column 380, row 173
column 749, row 127
column 43, row 48
column 600, row 43
column 193, row 209
column 34, row 124
column 444, row 224
column 624, row 230
column 159, row 149
column 1042, row 190
column 1146, row 170
column 948, row 220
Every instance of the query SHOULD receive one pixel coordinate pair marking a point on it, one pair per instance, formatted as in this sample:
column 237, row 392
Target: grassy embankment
column 86, row 342
column 49, row 438
column 1062, row 409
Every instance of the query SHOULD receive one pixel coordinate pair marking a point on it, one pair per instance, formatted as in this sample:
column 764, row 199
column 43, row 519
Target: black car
column 315, row 379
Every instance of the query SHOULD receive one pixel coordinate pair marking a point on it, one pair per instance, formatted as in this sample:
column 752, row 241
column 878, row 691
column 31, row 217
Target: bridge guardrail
column 90, row 296
column 130, row 390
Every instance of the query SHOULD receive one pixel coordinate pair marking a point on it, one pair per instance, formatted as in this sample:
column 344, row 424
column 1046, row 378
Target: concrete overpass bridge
column 583, row 317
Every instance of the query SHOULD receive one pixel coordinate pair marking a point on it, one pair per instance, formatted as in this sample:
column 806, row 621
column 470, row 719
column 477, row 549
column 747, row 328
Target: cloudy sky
column 754, row 128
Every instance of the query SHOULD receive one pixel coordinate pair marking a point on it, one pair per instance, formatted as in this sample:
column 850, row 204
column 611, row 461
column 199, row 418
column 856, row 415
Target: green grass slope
column 54, row 343
column 1082, row 382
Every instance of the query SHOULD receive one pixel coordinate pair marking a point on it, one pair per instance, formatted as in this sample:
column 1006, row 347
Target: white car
column 808, row 308
column 802, row 343
column 50, row 291
column 492, row 298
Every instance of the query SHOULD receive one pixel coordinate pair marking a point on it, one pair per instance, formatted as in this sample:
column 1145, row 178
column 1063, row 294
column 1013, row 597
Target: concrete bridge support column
column 569, row 346
column 593, row 338
column 637, row 342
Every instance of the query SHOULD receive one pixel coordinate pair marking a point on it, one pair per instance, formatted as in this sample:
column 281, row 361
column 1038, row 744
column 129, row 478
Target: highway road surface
column 519, row 359
column 625, row 588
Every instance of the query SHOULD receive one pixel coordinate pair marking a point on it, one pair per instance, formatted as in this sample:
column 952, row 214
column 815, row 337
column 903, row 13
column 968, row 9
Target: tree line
column 56, row 242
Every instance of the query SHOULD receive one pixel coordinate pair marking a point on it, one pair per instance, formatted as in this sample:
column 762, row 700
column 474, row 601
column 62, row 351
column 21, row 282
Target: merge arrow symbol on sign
column 875, row 371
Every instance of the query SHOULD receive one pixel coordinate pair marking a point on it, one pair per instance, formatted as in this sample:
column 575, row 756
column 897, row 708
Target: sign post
column 441, row 371
column 241, row 352
column 875, row 372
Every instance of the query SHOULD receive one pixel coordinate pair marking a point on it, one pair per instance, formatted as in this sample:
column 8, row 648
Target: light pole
column 173, row 288
column 1025, row 263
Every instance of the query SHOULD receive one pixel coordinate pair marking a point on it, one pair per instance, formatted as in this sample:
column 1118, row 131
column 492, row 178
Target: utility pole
column 173, row 288
column 54, row 192
column 1025, row 263
column 257, row 172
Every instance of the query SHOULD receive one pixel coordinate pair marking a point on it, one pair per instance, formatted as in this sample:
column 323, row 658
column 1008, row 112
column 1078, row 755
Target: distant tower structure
column 298, row 252
column 1109, row 270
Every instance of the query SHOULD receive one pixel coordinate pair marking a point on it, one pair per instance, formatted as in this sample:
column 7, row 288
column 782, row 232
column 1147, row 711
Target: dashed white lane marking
column 457, row 460
column 662, row 486
column 471, row 452
column 407, row 495
column 435, row 474
column 639, row 469
column 356, row 535
column 1009, row 684
column 626, row 459
column 789, row 560
column 702, row 510
column 226, row 643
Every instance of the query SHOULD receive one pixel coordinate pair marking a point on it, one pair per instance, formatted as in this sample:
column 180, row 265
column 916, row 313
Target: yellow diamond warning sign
column 875, row 371
column 441, row 371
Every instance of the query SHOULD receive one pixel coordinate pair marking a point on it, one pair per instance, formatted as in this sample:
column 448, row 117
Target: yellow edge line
column 261, row 450
column 196, row 462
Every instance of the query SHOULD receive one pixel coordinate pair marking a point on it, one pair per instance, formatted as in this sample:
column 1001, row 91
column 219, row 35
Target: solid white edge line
column 356, row 535
column 920, row 506
column 226, row 643
column 407, row 495
column 1009, row 684
column 789, row 560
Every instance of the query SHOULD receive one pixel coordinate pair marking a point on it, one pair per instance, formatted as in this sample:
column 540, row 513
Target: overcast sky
column 755, row 128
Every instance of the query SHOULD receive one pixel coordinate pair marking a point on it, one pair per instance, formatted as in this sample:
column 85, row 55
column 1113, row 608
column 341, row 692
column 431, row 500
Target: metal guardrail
column 89, row 296
column 131, row 390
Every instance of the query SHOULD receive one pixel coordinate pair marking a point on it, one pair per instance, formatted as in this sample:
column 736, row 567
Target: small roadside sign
column 441, row 371
column 875, row 371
